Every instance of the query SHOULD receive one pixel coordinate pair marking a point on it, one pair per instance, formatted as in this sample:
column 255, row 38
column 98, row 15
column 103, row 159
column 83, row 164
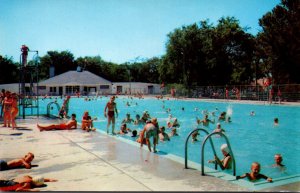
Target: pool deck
column 93, row 161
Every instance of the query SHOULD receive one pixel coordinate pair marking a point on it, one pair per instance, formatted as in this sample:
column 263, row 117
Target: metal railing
column 49, row 108
column 186, row 145
column 280, row 93
column 228, row 144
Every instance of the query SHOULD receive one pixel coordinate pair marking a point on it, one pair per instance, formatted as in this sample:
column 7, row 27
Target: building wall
column 71, row 90
column 135, row 88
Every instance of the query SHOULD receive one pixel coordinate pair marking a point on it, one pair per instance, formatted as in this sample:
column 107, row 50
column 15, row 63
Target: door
column 119, row 89
column 60, row 90
column 150, row 89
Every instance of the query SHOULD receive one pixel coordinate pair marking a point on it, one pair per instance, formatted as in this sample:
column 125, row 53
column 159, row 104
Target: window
column 42, row 87
column 72, row 89
column 52, row 89
column 104, row 86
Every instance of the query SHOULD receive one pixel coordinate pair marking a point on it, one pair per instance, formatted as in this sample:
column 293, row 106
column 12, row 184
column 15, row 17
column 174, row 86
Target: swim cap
column 38, row 180
column 225, row 148
column 218, row 124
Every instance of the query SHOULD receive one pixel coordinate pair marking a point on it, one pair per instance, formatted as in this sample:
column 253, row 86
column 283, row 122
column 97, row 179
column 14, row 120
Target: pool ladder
column 49, row 106
column 208, row 137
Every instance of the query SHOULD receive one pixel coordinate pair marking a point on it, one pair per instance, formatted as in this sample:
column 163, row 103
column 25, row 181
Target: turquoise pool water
column 252, row 138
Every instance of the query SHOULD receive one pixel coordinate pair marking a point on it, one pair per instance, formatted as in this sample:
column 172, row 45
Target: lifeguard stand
column 28, row 91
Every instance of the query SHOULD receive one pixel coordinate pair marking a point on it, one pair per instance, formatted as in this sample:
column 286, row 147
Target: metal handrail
column 49, row 105
column 186, row 145
column 228, row 144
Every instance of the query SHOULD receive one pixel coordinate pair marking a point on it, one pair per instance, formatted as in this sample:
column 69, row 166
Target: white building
column 70, row 82
column 88, row 83
column 135, row 88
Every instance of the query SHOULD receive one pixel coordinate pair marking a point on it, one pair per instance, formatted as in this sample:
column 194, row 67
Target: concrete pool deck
column 93, row 161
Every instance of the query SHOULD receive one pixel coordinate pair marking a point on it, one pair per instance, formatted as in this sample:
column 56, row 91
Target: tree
column 9, row 72
column 279, row 41
column 233, row 50
column 62, row 62
column 200, row 54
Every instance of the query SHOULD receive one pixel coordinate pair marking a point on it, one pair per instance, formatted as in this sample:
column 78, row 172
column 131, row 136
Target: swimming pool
column 252, row 138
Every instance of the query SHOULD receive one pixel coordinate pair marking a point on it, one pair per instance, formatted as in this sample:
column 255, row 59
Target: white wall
column 135, row 87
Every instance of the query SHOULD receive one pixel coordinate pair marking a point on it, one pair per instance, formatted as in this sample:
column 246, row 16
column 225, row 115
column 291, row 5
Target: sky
column 118, row 31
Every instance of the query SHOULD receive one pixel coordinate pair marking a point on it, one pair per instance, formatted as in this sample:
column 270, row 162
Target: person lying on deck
column 24, row 183
column 17, row 163
column 71, row 124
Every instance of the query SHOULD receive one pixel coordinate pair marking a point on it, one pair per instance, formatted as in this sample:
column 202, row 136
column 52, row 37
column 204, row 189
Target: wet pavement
column 94, row 161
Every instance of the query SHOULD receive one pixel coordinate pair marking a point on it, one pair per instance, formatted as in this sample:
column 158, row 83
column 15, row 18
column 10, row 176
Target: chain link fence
column 276, row 93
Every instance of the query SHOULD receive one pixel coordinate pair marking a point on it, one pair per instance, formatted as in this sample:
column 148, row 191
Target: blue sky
column 117, row 30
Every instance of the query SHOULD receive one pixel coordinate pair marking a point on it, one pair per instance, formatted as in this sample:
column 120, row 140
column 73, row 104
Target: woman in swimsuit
column 14, row 110
column 225, row 163
column 7, row 106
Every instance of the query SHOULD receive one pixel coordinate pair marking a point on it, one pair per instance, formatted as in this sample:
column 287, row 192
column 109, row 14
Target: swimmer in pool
column 218, row 128
column 278, row 159
column 128, row 119
column 254, row 174
column 194, row 136
column 226, row 162
column 276, row 122
column 163, row 136
column 206, row 121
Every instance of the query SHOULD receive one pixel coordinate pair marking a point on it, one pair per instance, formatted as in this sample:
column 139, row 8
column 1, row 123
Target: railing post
column 231, row 152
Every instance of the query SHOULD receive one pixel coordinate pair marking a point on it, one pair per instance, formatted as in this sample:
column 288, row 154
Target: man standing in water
column 112, row 108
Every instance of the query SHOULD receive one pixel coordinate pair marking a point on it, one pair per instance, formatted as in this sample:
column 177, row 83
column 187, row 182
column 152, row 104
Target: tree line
column 199, row 54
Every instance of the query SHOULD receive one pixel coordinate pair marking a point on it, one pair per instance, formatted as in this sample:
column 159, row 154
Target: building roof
column 75, row 78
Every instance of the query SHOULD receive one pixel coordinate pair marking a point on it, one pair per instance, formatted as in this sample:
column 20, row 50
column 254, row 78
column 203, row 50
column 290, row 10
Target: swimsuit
column 151, row 131
column 259, row 176
column 9, row 185
column 111, row 114
column 3, row 165
column 62, row 126
column 14, row 110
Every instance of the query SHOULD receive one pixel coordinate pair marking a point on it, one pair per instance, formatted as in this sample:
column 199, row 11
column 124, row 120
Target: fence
column 283, row 92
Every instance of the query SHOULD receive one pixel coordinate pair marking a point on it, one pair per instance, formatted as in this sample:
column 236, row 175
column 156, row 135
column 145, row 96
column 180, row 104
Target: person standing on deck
column 111, row 108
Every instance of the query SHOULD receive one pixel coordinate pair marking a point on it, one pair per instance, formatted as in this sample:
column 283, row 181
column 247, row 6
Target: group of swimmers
column 151, row 129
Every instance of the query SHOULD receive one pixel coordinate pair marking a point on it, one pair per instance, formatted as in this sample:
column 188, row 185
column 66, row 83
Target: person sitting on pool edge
column 17, row 163
column 86, row 122
column 225, row 163
column 254, row 174
column 71, row 124
column 24, row 183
